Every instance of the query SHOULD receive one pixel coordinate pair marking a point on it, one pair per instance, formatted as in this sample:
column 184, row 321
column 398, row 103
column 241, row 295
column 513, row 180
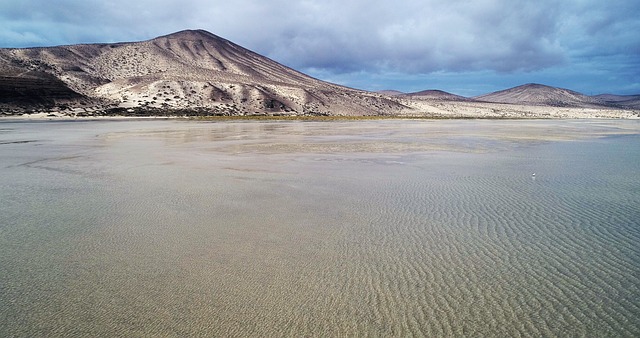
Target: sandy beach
column 288, row 228
column 419, row 109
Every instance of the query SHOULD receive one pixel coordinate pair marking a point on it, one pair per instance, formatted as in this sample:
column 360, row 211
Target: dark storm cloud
column 374, row 37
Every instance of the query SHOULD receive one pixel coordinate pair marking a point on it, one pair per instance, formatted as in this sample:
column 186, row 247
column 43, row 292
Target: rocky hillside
column 541, row 95
column 622, row 101
column 194, row 72
column 35, row 88
column 190, row 69
column 434, row 94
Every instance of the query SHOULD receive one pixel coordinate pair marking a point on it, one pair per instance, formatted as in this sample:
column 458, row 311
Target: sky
column 466, row 47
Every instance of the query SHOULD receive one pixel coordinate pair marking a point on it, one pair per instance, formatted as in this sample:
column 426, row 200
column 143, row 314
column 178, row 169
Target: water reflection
column 381, row 228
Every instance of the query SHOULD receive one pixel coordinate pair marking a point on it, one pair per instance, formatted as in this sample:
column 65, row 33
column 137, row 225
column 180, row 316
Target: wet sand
column 383, row 228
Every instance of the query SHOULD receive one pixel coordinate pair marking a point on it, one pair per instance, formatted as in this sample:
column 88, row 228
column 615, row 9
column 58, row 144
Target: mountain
column 434, row 94
column 390, row 92
column 194, row 72
column 191, row 69
column 623, row 101
column 541, row 95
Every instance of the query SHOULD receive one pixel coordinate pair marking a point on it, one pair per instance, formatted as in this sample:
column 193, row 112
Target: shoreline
column 427, row 110
column 606, row 115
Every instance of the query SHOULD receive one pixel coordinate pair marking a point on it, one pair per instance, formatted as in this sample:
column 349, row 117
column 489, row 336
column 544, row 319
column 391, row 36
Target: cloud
column 423, row 36
column 416, row 36
column 338, row 37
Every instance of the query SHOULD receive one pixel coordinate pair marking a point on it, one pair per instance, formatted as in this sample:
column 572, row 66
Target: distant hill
column 437, row 95
column 541, row 95
column 624, row 101
column 390, row 92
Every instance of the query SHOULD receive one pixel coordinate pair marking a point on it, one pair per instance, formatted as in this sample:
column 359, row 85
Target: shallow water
column 381, row 228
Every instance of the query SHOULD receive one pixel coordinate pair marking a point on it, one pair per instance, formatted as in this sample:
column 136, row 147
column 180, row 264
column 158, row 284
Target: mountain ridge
column 437, row 95
column 195, row 72
column 623, row 101
column 190, row 69
column 539, row 94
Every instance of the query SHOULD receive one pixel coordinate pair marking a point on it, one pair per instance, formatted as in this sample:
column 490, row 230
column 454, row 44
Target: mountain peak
column 534, row 85
column 202, row 73
column 539, row 94
column 437, row 94
column 190, row 34
column 189, row 69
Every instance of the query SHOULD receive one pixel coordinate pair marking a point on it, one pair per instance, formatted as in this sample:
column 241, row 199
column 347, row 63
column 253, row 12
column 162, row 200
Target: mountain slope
column 435, row 94
column 194, row 72
column 35, row 89
column 623, row 101
column 390, row 92
column 191, row 69
column 541, row 95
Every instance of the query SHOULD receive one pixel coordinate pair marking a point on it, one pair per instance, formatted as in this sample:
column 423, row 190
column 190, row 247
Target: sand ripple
column 198, row 229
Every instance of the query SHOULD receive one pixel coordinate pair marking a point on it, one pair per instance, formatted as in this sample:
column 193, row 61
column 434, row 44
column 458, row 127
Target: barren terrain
column 196, row 73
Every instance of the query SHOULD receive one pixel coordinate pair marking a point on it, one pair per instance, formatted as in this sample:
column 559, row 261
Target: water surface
column 381, row 228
